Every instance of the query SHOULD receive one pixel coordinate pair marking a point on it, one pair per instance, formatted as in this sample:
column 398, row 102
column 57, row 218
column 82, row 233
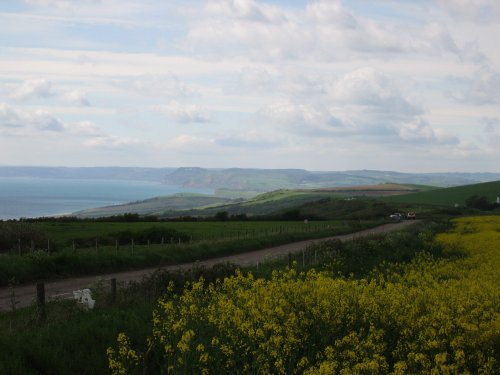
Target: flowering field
column 431, row 315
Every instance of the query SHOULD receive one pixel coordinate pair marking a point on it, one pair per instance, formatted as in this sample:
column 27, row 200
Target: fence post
column 116, row 247
column 48, row 247
column 113, row 290
column 40, row 301
column 162, row 241
column 148, row 244
column 303, row 258
column 289, row 260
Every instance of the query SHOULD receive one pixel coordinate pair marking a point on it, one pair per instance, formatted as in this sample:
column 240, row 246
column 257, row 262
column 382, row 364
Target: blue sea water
column 36, row 197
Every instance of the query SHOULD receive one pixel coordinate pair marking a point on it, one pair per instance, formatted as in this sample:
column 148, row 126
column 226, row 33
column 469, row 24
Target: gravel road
column 26, row 294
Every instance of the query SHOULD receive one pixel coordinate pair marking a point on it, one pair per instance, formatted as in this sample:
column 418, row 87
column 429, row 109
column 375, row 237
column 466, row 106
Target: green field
column 96, row 249
column 449, row 196
column 262, row 204
column 157, row 205
column 196, row 231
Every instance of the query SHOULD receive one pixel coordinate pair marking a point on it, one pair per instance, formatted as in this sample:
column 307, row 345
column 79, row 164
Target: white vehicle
column 411, row 216
column 396, row 216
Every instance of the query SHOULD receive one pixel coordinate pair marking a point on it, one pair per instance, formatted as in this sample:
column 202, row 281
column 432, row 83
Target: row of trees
column 480, row 202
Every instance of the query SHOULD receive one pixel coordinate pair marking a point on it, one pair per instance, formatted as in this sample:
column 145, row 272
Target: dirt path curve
column 25, row 294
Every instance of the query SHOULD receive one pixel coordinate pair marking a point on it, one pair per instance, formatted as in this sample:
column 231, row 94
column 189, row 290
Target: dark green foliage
column 479, row 202
column 292, row 215
column 359, row 257
column 221, row 216
column 328, row 209
column 450, row 196
column 15, row 234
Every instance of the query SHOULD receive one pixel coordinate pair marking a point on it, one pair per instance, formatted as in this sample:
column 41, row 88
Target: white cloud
column 484, row 87
column 472, row 10
column 289, row 112
column 76, row 97
column 89, row 11
column 41, row 120
column 362, row 102
column 64, row 4
column 419, row 130
column 45, row 121
column 86, row 129
column 9, row 117
column 249, row 139
column 325, row 77
column 114, row 142
column 189, row 143
column 34, row 88
column 324, row 31
column 184, row 113
column 160, row 85
column 369, row 88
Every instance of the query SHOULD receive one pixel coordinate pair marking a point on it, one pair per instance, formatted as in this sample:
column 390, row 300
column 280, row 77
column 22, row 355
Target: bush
column 479, row 202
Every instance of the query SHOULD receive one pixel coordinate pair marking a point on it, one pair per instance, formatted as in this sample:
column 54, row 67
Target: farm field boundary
column 25, row 294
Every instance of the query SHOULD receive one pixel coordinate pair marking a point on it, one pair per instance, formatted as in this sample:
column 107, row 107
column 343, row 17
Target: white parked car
column 396, row 216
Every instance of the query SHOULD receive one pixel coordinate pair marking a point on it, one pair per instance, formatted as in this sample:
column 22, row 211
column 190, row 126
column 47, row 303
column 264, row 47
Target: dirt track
column 25, row 294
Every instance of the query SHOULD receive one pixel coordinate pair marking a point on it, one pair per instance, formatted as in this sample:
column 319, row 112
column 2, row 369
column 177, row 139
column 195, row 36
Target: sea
column 26, row 197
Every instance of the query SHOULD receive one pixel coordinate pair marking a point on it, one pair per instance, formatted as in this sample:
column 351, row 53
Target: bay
column 36, row 197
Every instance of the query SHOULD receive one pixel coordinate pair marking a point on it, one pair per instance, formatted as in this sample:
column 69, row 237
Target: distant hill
column 263, row 204
column 273, row 179
column 450, row 196
column 84, row 173
column 248, row 179
column 156, row 206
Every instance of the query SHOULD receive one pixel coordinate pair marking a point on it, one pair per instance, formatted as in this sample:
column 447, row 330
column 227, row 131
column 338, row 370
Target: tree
column 478, row 202
column 221, row 216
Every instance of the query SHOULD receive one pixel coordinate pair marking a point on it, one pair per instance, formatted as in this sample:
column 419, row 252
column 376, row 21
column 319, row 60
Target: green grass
column 198, row 230
column 234, row 237
column 71, row 342
column 236, row 194
column 449, row 196
column 157, row 205
column 250, row 203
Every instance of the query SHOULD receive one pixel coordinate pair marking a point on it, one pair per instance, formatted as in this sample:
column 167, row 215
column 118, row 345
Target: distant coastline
column 36, row 196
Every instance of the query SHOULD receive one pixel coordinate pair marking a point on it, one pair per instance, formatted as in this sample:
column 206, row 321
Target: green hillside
column 262, row 204
column 156, row 205
column 450, row 196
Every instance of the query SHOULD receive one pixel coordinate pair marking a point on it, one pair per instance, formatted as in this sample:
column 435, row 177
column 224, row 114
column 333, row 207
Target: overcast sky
column 400, row 85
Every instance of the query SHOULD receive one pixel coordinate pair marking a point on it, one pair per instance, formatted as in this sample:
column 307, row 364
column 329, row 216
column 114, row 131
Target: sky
column 410, row 86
